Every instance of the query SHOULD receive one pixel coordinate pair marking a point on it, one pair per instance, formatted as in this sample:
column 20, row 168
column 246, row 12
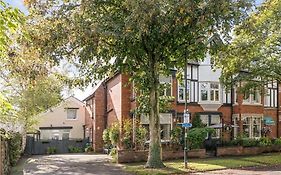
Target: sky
column 76, row 92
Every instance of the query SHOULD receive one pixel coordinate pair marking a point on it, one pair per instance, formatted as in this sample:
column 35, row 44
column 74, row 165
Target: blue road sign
column 187, row 125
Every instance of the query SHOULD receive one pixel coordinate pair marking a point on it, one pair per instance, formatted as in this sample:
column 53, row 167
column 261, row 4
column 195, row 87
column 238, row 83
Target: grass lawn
column 195, row 165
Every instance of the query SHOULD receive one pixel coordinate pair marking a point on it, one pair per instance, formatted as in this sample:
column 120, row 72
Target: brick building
column 229, row 112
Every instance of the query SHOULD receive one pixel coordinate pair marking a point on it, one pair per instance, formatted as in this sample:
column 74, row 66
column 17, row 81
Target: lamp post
column 186, row 115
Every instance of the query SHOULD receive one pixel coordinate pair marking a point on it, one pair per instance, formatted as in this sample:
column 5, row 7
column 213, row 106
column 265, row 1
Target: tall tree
column 143, row 38
column 256, row 48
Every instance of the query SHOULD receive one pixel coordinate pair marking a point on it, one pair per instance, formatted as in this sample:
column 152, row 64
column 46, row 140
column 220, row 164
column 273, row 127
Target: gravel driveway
column 72, row 164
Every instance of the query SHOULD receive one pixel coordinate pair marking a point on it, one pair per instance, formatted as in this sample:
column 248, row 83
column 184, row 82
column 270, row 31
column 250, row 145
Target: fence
column 4, row 157
column 38, row 147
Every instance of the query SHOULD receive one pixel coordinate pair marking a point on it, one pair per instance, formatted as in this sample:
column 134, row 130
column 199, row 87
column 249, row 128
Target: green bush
column 51, row 150
column 74, row 149
column 265, row 141
column 176, row 135
column 197, row 136
column 277, row 141
column 106, row 138
column 197, row 122
column 114, row 134
column 128, row 131
column 89, row 149
column 141, row 134
column 250, row 142
column 15, row 147
column 113, row 154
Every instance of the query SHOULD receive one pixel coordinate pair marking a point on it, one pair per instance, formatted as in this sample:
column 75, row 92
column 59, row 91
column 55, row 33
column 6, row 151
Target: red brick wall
column 99, row 118
column 114, row 94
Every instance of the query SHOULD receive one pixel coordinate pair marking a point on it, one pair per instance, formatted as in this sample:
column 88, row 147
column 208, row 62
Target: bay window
column 209, row 91
column 251, row 126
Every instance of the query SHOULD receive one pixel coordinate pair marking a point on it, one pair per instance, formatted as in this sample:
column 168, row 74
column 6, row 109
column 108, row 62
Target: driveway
column 72, row 164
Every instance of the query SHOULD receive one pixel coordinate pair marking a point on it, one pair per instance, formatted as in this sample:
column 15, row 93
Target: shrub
column 141, row 133
column 127, row 137
column 51, row 150
column 176, row 135
column 89, row 149
column 196, row 137
column 114, row 134
column 113, row 154
column 15, row 147
column 197, row 122
column 250, row 142
column 74, row 149
column 106, row 138
column 265, row 141
column 277, row 141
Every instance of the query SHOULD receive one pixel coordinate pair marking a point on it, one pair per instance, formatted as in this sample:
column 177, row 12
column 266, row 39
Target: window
column 252, row 97
column 166, row 85
column 212, row 120
column 214, row 91
column 251, row 126
column 71, row 113
column 204, row 91
column 210, row 92
column 65, row 134
column 270, row 95
column 181, row 91
column 165, row 125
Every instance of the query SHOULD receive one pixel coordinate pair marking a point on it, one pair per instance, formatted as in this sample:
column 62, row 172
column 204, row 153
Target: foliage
column 127, row 133
column 256, row 47
column 277, row 141
column 176, row 135
column 141, row 134
column 265, row 141
column 89, row 149
column 106, row 138
column 15, row 148
column 143, row 39
column 246, row 142
column 197, row 136
column 11, row 21
column 51, row 150
column 114, row 132
column 74, row 149
column 113, row 154
column 197, row 122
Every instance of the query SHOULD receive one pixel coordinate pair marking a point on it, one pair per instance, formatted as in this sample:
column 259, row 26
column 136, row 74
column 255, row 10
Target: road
column 72, row 164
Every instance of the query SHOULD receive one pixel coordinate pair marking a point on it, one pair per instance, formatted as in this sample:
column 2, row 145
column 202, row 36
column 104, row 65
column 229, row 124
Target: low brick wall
column 129, row 156
column 239, row 150
column 229, row 151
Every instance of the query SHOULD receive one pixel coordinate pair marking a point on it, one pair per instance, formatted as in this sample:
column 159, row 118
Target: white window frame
column 209, row 90
column 167, row 84
column 250, row 124
column 250, row 99
column 181, row 86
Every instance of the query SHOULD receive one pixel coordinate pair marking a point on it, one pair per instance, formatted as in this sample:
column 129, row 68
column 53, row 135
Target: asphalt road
column 71, row 164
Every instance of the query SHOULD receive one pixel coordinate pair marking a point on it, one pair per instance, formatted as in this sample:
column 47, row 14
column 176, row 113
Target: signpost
column 186, row 125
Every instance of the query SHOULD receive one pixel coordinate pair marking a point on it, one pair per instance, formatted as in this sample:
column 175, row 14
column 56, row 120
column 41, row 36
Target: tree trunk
column 155, row 150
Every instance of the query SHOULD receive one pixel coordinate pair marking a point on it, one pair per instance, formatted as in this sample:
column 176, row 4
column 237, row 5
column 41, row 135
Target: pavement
column 72, row 164
column 261, row 170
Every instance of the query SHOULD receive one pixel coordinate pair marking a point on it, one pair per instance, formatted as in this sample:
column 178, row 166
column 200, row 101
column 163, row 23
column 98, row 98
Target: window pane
column 165, row 131
column 71, row 113
column 212, row 95
column 204, row 95
column 217, row 95
column 181, row 94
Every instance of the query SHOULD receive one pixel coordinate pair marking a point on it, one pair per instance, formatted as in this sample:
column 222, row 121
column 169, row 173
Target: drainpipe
column 105, row 104
column 278, row 109
column 232, row 93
